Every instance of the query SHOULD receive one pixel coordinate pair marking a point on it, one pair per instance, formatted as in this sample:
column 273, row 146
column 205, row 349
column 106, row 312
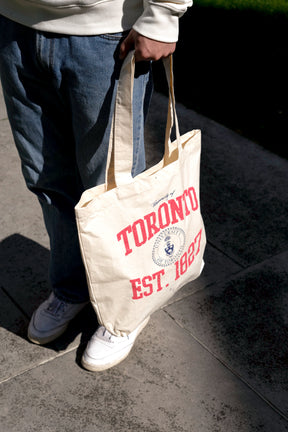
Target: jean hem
column 67, row 300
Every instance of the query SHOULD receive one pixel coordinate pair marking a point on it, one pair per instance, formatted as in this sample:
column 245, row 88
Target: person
column 59, row 65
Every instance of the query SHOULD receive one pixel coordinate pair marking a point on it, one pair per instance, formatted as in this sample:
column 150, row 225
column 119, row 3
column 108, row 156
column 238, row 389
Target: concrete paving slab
column 13, row 326
column 244, row 198
column 244, row 323
column 3, row 112
column 168, row 383
column 18, row 355
column 24, row 271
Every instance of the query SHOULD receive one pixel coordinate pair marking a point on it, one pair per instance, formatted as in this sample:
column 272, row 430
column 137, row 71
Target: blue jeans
column 59, row 92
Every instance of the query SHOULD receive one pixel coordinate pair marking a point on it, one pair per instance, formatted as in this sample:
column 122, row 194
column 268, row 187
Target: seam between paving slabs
column 43, row 362
column 233, row 259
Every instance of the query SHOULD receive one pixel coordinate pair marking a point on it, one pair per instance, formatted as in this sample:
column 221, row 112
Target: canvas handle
column 120, row 153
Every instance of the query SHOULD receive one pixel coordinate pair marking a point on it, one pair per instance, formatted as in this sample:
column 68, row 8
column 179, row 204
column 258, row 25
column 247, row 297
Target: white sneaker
column 51, row 319
column 105, row 350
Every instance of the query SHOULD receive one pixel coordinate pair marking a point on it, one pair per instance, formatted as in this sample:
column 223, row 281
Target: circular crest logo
column 168, row 246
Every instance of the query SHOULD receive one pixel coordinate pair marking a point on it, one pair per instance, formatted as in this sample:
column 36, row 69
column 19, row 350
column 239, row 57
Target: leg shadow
column 24, row 284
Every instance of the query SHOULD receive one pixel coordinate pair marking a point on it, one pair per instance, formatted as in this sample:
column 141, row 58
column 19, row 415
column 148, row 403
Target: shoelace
column 107, row 335
column 56, row 307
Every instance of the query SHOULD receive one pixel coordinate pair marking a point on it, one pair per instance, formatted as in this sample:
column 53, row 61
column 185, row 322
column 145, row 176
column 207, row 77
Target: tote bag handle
column 120, row 152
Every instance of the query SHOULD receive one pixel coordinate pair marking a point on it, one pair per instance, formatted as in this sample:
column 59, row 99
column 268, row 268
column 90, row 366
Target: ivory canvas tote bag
column 141, row 238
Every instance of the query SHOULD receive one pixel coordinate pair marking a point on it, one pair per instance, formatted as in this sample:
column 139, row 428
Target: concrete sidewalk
column 215, row 359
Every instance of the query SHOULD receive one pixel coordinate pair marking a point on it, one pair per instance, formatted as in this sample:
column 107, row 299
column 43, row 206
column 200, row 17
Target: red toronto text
column 168, row 213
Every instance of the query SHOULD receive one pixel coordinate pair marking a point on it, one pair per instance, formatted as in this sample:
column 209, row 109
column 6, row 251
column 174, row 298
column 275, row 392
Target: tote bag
column 141, row 238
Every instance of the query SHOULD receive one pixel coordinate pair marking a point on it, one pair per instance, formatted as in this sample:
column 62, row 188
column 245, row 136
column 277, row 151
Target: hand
column 145, row 49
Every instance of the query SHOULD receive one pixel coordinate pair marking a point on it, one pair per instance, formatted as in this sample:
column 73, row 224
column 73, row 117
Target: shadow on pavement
column 231, row 66
column 24, row 282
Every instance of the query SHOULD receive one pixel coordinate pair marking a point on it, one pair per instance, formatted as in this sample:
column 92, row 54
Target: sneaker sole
column 38, row 340
column 98, row 368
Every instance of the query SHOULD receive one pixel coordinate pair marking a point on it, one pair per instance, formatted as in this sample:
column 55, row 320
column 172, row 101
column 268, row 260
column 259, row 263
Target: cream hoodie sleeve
column 160, row 19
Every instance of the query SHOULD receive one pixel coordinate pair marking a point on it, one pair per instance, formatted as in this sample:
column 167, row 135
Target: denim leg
column 59, row 93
